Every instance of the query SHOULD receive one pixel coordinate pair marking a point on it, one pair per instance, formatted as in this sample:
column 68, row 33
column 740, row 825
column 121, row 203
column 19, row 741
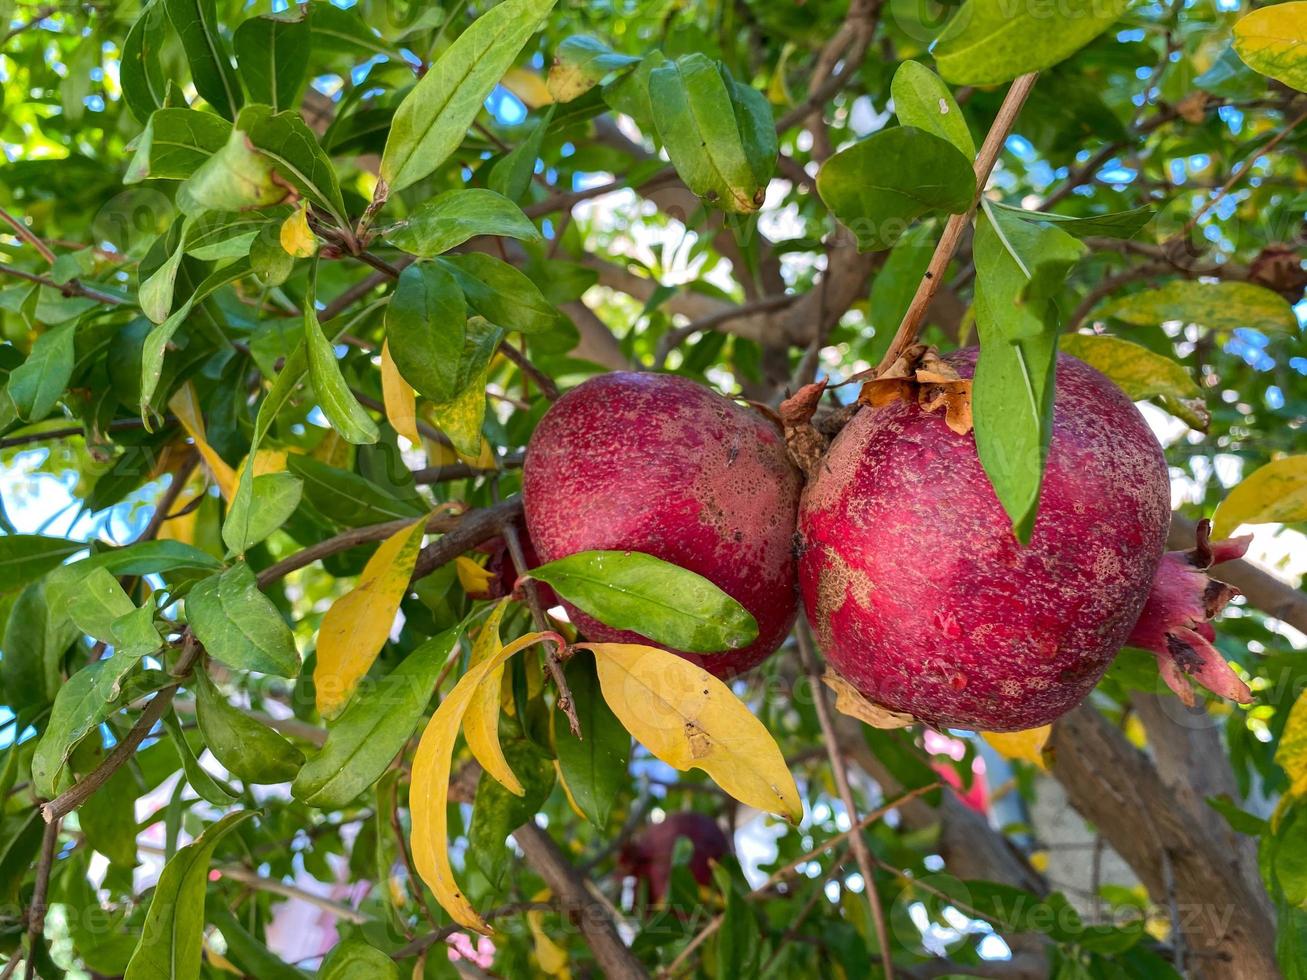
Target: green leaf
column 426, row 322
column 511, row 176
column 496, row 812
column 140, row 70
column 39, row 382
column 593, row 767
column 628, row 590
column 757, row 126
column 88, row 698
column 26, row 557
column 108, row 818
column 172, row 558
column 1019, row 266
column 249, row 749
column 503, row 294
column 286, row 140
column 1218, row 306
column 696, row 122
column 155, row 293
column 738, row 943
column 98, row 604
column 252, row 517
column 37, row 634
column 581, row 63
column 1274, row 493
column 176, row 143
column 346, row 498
column 1117, row 224
column 353, row 959
column 272, row 53
column 1141, row 374
column 877, row 187
column 921, row 99
column 451, row 218
column 217, row 236
column 893, row 287
column 462, row 417
column 337, row 402
column 989, row 42
column 196, row 23
column 1273, row 41
column 244, row 951
column 20, row 839
column 433, row 118
column 239, row 625
column 365, row 739
column 172, row 939
column 156, row 341
column 235, row 178
column 207, row 786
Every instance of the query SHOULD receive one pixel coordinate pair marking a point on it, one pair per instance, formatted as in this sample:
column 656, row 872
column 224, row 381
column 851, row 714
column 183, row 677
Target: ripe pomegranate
column 648, row 856
column 925, row 601
column 659, row 464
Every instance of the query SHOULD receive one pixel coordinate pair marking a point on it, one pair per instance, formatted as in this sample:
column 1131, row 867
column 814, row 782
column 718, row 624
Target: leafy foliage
column 284, row 292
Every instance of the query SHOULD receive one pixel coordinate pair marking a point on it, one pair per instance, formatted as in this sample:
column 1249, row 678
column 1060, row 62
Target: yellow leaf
column 296, row 235
column 1291, row 756
column 472, row 576
column 439, row 454
column 1141, row 374
column 849, row 701
column 265, row 461
column 1273, row 41
column 429, row 790
column 334, row 451
column 356, row 626
column 690, row 720
column 481, row 721
column 461, row 418
column 399, row 398
column 567, row 791
column 551, row 958
column 1027, row 746
column 527, row 86
column 1275, row 493
column 186, row 407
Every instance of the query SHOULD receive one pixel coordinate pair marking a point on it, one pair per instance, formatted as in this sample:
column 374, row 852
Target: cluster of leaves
column 302, row 283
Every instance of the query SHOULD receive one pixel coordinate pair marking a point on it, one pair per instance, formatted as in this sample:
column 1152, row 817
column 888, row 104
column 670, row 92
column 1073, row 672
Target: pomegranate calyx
column 921, row 375
column 1174, row 623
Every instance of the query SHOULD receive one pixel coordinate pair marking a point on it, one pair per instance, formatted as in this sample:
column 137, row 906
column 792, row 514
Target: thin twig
column 117, row 425
column 553, row 661
column 441, row 522
column 788, row 870
column 20, row 228
column 70, row 288
column 36, row 911
column 673, row 338
column 543, row 381
column 80, row 792
column 840, row 771
column 1241, row 170
column 906, row 335
column 462, row 471
column 447, row 932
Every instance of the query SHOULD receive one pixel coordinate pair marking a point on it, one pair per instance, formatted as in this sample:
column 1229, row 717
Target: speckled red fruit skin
column 921, row 595
column 659, row 464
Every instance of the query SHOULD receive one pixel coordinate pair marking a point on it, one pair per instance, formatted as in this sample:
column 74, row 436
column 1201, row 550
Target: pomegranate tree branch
column 1241, row 170
column 840, row 771
column 552, row 659
column 69, row 800
column 36, row 911
column 70, row 288
column 572, row 892
column 906, row 335
column 22, row 231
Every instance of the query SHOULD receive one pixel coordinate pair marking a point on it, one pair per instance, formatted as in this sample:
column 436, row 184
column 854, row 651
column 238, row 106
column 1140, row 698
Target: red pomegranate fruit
column 648, row 856
column 659, row 464
column 925, row 601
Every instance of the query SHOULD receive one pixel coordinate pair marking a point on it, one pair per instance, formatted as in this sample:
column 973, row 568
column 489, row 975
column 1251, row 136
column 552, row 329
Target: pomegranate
column 648, row 856
column 659, row 464
column 925, row 601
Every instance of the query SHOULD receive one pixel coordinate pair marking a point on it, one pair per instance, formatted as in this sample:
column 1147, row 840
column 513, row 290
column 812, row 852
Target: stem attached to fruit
column 906, row 335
